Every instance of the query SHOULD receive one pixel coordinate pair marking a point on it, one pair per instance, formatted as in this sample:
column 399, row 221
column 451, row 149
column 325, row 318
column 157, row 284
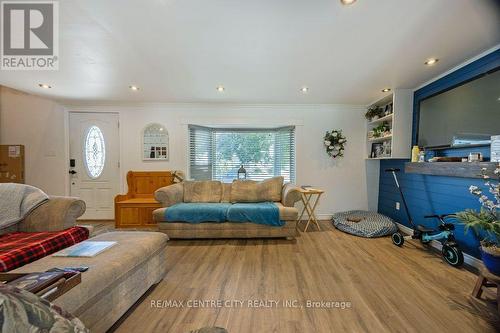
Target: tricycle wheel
column 398, row 239
column 452, row 255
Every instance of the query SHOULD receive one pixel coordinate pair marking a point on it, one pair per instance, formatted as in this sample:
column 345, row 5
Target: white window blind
column 218, row 153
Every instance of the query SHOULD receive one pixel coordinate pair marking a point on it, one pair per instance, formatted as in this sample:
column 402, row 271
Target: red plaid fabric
column 20, row 248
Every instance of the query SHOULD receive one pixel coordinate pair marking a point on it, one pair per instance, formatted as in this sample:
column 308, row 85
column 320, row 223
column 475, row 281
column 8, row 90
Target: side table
column 487, row 280
column 310, row 198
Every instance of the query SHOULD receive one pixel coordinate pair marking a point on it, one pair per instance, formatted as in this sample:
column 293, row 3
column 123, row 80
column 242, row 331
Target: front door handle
column 72, row 172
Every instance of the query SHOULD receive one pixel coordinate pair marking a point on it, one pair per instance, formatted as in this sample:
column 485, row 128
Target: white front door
column 94, row 162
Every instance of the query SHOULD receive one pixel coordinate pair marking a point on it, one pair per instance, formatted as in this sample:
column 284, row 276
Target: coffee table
column 51, row 292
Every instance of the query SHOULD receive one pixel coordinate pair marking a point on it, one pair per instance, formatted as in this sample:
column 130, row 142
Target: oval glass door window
column 95, row 152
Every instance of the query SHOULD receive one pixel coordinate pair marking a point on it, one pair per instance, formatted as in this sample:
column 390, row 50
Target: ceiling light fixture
column 347, row 2
column 220, row 88
column 431, row 61
column 44, row 86
column 304, row 90
column 134, row 88
column 386, row 89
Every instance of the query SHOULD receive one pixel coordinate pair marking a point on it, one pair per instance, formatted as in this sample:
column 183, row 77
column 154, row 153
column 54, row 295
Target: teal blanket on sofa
column 261, row 213
column 197, row 212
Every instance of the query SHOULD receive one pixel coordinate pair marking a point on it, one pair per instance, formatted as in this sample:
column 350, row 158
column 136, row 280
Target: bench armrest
column 58, row 213
column 170, row 195
column 290, row 195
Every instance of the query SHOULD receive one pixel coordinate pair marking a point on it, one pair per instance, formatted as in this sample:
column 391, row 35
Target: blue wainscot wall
column 428, row 195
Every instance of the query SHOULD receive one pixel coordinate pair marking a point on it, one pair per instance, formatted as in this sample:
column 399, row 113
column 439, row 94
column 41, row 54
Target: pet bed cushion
column 371, row 225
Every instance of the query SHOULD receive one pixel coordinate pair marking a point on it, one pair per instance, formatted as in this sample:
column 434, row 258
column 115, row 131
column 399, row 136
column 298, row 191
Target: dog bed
column 370, row 224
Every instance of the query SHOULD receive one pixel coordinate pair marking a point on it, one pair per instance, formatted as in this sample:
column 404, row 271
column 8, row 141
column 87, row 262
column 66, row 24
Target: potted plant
column 381, row 130
column 486, row 222
column 373, row 113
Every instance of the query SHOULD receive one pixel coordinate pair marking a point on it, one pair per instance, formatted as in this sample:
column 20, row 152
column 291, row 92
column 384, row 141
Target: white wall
column 344, row 180
column 39, row 124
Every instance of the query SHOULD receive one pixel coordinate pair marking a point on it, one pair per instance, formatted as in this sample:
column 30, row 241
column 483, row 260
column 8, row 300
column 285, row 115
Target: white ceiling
column 262, row 51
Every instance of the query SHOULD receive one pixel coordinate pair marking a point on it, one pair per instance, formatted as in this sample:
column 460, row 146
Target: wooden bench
column 135, row 209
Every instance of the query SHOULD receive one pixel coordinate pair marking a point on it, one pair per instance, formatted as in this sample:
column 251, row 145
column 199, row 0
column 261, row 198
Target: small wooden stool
column 487, row 280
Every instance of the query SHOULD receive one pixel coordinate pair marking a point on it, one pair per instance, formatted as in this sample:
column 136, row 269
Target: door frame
column 67, row 113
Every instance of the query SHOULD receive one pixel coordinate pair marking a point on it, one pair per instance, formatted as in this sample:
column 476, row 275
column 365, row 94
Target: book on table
column 85, row 249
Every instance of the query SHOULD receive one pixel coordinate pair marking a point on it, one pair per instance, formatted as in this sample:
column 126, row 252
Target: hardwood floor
column 390, row 289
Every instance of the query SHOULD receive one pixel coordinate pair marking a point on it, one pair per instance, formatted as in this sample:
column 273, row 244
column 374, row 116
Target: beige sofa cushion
column 202, row 191
column 253, row 191
column 287, row 213
column 226, row 192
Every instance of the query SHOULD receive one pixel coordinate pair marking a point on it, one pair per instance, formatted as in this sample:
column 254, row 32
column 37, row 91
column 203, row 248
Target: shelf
column 451, row 169
column 383, row 138
column 381, row 120
column 399, row 121
column 380, row 158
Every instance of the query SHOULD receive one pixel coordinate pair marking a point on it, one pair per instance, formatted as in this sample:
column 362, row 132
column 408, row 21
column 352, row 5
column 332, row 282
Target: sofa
column 283, row 196
column 48, row 228
column 116, row 279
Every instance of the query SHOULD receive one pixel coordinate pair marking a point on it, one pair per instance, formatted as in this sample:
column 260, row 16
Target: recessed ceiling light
column 44, row 86
column 431, row 61
column 386, row 89
column 220, row 88
column 304, row 90
column 347, row 2
column 134, row 88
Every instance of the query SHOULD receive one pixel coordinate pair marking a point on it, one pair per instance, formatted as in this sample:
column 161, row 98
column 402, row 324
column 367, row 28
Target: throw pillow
column 22, row 311
column 202, row 191
column 254, row 191
column 226, row 192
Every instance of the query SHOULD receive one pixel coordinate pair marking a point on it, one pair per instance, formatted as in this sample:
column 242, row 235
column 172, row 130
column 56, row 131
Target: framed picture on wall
column 377, row 150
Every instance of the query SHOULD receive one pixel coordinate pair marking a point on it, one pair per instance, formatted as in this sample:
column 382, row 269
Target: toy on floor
column 444, row 232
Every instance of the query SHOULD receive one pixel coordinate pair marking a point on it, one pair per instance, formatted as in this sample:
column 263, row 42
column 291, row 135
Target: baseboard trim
column 318, row 216
column 468, row 259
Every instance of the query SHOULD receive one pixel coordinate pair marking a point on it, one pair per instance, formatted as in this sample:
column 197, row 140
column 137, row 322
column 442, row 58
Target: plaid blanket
column 20, row 248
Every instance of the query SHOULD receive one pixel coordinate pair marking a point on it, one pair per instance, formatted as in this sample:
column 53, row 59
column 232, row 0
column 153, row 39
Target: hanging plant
column 334, row 143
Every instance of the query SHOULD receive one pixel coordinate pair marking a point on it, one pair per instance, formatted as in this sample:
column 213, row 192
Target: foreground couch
column 116, row 278
column 48, row 228
column 240, row 191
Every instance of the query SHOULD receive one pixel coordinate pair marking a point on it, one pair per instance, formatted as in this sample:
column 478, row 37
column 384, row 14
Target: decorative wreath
column 334, row 143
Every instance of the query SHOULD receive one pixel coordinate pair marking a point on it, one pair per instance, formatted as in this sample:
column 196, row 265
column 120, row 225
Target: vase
column 374, row 118
column 491, row 262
